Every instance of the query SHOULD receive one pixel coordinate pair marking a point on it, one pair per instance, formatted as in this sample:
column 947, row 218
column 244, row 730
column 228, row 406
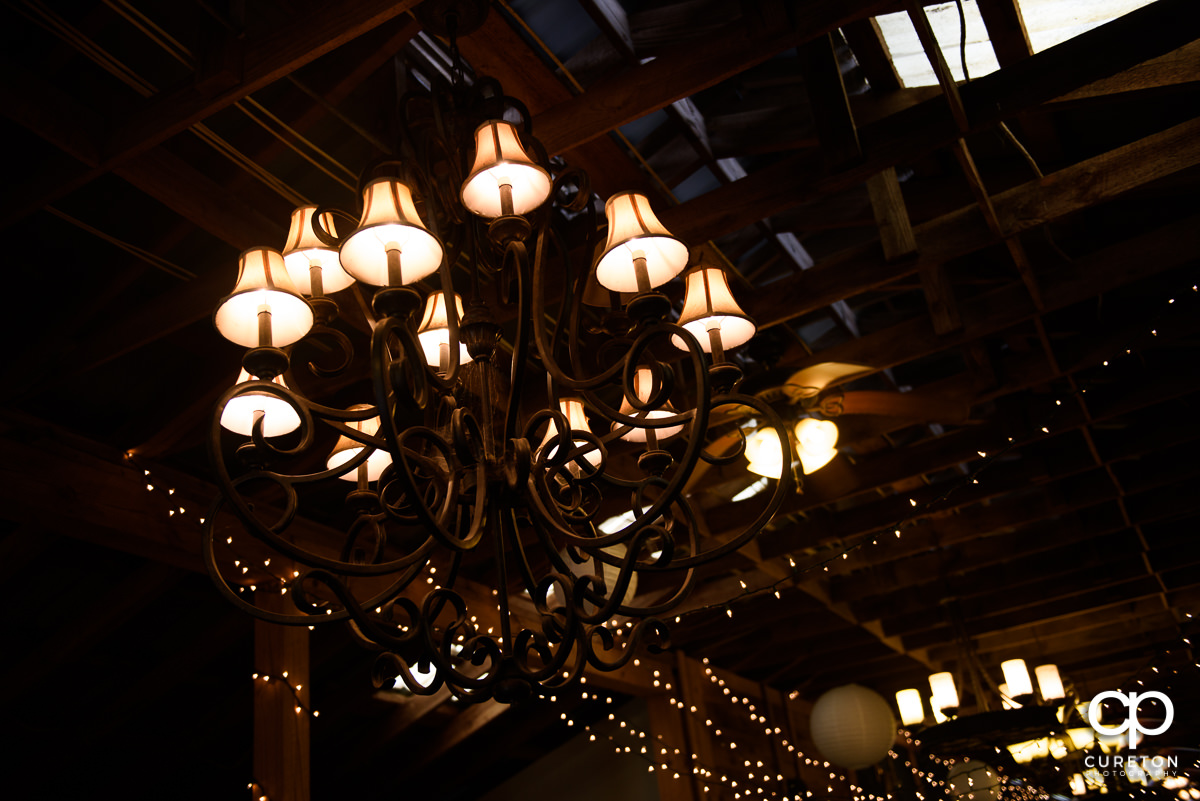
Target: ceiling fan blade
column 924, row 408
column 810, row 381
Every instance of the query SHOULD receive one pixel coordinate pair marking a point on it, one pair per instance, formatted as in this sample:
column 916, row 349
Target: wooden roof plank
column 684, row 70
column 923, row 128
column 267, row 56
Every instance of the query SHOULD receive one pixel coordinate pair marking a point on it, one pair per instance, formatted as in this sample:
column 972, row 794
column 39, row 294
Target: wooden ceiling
column 1016, row 254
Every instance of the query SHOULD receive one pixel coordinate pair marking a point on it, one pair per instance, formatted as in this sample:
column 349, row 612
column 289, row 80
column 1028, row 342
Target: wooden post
column 281, row 734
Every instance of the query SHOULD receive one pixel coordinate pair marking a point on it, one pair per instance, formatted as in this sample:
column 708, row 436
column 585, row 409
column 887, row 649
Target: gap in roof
column 1050, row 22
column 909, row 58
column 1047, row 22
column 564, row 27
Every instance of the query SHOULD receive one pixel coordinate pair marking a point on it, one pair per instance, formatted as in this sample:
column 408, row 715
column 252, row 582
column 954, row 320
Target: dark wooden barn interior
column 1013, row 257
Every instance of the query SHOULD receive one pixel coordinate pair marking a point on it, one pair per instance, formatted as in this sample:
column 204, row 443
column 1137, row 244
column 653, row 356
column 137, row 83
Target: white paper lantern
column 852, row 726
column 973, row 781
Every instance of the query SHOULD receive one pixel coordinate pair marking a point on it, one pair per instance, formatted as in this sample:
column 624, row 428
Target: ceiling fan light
column 501, row 160
column 815, row 440
column 263, row 285
column 279, row 417
column 643, row 386
column 434, row 330
column 1049, row 682
column 390, row 225
column 346, row 449
column 764, row 452
column 709, row 310
column 304, row 251
column 636, row 235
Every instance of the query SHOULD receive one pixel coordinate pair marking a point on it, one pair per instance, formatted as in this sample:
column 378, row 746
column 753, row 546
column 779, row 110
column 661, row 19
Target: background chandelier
column 462, row 462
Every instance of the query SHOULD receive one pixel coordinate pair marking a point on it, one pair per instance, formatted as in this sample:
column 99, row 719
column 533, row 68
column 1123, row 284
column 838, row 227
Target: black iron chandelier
column 460, row 463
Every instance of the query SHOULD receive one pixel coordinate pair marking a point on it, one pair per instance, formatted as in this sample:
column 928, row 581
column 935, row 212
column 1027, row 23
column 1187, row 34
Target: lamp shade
column 1049, row 682
column 815, row 440
column 1006, row 698
column 709, row 310
column 945, row 695
column 263, row 287
column 391, row 246
column 1016, row 676
column 973, row 780
column 303, row 253
column 501, row 161
column 434, row 330
column 764, row 452
column 577, row 420
column 279, row 417
column 346, row 449
column 852, row 726
column 643, row 386
column 640, row 253
column 912, row 712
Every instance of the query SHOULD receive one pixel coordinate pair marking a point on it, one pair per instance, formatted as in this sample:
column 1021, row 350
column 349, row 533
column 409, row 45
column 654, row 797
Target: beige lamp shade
column 434, row 330
column 501, row 161
column 1016, row 676
column 640, row 252
column 912, row 712
column 945, row 695
column 304, row 251
column 264, row 304
column 391, row 246
column 643, row 386
column 573, row 409
column 279, row 416
column 764, row 452
column 708, row 306
column 1049, row 682
column 1006, row 698
column 1078, row 785
column 1025, row 752
column 815, row 441
column 346, row 449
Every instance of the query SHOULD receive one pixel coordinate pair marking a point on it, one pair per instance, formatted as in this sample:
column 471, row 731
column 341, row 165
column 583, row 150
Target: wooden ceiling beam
column 265, row 57
column 871, row 52
column 1081, row 503
column 960, row 232
column 1099, row 553
column 687, row 68
column 1006, row 30
column 1037, row 635
column 1048, row 599
column 1055, row 458
column 924, row 128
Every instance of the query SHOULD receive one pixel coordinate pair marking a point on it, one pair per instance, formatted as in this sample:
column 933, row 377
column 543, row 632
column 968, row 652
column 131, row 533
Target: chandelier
column 505, row 414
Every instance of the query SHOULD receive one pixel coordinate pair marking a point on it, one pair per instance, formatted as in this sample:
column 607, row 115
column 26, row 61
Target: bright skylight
column 1048, row 23
column 911, row 64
